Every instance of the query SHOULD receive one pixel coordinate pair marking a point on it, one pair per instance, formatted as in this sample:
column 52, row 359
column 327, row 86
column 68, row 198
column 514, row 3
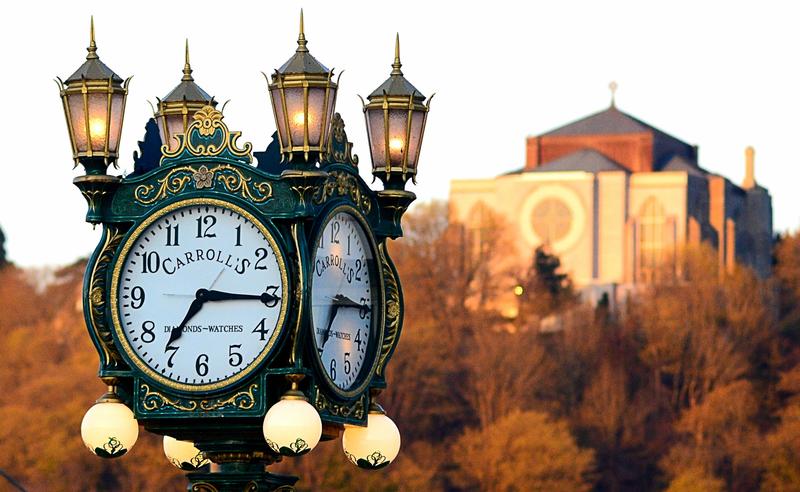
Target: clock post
column 243, row 304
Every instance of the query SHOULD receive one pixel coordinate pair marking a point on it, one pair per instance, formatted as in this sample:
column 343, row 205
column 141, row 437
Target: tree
column 524, row 451
column 3, row 260
column 545, row 289
column 696, row 480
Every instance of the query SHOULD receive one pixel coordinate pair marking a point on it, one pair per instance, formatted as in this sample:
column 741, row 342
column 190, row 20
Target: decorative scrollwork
column 343, row 184
column 203, row 487
column 229, row 176
column 242, row 400
column 393, row 311
column 112, row 448
column 208, row 136
column 97, row 297
column 153, row 400
column 355, row 409
column 374, row 461
column 339, row 149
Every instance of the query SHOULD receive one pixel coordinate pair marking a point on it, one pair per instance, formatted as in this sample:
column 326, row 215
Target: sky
column 722, row 75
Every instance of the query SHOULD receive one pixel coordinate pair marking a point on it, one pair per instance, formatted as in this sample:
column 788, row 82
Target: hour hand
column 342, row 300
column 194, row 308
column 268, row 297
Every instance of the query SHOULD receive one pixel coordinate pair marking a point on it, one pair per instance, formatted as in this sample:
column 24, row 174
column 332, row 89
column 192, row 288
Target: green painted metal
column 227, row 423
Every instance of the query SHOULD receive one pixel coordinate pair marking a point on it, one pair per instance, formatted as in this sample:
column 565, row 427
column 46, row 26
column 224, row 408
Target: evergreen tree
column 545, row 289
column 2, row 248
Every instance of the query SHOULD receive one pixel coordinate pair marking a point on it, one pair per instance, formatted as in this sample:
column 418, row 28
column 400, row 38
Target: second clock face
column 200, row 295
column 344, row 298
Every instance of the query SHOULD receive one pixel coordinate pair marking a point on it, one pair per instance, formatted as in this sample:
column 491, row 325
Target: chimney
column 749, row 169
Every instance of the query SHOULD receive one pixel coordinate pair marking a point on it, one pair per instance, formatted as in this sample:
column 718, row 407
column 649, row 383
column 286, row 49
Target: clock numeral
column 235, row 358
column 147, row 332
column 347, row 366
column 364, row 309
column 137, row 295
column 261, row 254
column 208, row 221
column 260, row 328
column 332, row 370
column 238, row 235
column 174, row 351
column 358, row 270
column 151, row 262
column 358, row 340
column 335, row 232
column 201, row 365
column 172, row 235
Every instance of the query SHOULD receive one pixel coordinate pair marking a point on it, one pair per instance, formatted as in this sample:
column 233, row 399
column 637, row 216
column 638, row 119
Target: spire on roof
column 613, row 88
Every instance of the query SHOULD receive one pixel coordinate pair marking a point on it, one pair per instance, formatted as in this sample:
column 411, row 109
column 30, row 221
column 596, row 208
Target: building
column 616, row 199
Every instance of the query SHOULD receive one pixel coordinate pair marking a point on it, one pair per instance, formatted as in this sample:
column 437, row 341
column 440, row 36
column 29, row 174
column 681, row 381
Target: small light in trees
column 518, row 290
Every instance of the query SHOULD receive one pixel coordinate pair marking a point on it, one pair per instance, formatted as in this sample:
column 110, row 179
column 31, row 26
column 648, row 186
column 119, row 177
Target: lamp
column 396, row 117
column 94, row 105
column 374, row 446
column 184, row 454
column 175, row 111
column 303, row 97
column 109, row 429
column 292, row 427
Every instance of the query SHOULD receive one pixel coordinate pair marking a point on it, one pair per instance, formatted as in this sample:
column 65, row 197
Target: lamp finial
column 92, row 49
column 301, row 39
column 613, row 86
column 396, row 65
column 187, row 68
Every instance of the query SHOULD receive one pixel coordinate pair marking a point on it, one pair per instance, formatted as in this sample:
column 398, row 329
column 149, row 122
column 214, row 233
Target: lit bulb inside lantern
column 97, row 130
column 298, row 118
column 396, row 144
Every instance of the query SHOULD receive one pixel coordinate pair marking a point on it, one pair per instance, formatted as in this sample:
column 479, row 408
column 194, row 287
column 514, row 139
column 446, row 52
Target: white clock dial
column 200, row 295
column 344, row 299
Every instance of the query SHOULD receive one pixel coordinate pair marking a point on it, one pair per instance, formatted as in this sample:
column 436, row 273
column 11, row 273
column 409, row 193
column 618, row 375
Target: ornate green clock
column 244, row 311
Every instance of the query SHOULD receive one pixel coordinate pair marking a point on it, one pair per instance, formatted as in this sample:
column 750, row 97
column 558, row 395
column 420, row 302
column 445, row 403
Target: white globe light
column 292, row 427
column 184, row 454
column 374, row 446
column 109, row 430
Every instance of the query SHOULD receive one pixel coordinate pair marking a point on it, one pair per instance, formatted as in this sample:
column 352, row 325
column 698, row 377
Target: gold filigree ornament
column 229, row 176
column 355, row 409
column 208, row 136
column 97, row 298
column 393, row 305
column 343, row 184
column 243, row 400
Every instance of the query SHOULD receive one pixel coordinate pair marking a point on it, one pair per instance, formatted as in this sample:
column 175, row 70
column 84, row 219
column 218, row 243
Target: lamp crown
column 92, row 49
column 187, row 67
column 301, row 38
column 396, row 65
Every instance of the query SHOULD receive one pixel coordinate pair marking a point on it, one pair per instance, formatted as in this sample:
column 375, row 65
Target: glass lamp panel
column 174, row 127
column 292, row 427
column 417, row 120
column 377, row 141
column 295, row 106
column 316, row 101
column 398, row 121
column 116, row 122
column 109, row 429
column 77, row 121
column 277, row 108
column 98, row 120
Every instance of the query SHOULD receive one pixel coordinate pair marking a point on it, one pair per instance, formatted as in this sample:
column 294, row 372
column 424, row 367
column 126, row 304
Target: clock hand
column 268, row 297
column 344, row 301
column 331, row 315
column 194, row 308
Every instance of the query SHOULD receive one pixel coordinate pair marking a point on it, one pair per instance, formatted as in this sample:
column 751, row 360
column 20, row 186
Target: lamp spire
column 613, row 88
column 187, row 68
column 301, row 39
column 396, row 65
column 92, row 49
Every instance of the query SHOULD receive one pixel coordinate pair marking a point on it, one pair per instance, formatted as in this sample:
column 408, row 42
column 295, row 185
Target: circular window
column 551, row 220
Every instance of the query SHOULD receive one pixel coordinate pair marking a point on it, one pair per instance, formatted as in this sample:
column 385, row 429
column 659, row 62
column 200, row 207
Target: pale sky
column 722, row 75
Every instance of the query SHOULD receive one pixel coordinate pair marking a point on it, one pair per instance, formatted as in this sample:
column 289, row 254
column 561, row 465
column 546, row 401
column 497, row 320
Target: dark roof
column 679, row 163
column 587, row 160
column 187, row 90
column 608, row 122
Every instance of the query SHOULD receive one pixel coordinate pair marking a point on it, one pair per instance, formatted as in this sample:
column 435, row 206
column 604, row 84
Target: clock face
column 200, row 294
column 345, row 300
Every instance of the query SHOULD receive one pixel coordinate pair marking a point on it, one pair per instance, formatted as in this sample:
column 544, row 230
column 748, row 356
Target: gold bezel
column 380, row 299
column 120, row 261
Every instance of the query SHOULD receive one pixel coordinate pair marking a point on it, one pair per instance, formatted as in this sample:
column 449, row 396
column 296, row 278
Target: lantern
column 176, row 110
column 184, row 454
column 395, row 115
column 94, row 105
column 109, row 428
column 303, row 97
column 292, row 427
column 374, row 446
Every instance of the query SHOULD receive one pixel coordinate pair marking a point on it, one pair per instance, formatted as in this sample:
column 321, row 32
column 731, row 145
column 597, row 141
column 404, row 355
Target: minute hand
column 267, row 298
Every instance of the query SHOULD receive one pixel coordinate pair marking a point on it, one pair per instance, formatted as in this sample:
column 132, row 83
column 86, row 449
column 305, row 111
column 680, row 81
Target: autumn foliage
column 691, row 384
